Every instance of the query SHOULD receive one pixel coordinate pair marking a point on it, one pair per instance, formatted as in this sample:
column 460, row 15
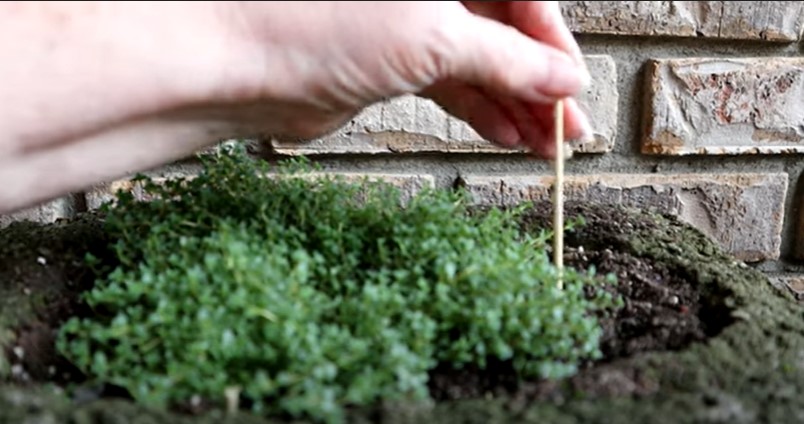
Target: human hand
column 499, row 66
column 100, row 90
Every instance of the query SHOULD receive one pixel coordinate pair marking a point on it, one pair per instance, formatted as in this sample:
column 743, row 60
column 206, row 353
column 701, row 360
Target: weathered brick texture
column 45, row 213
column 747, row 20
column 724, row 106
column 743, row 212
column 794, row 283
column 411, row 124
column 408, row 185
column 103, row 193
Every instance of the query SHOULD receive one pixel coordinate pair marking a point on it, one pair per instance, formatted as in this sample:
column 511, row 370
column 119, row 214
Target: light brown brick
column 409, row 124
column 779, row 21
column 106, row 192
column 408, row 185
column 717, row 106
column 743, row 212
column 252, row 146
column 45, row 213
column 794, row 283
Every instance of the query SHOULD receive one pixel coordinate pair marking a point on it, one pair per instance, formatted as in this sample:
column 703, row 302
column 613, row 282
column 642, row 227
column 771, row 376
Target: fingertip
column 504, row 61
column 491, row 121
column 542, row 151
column 499, row 130
column 540, row 146
column 586, row 77
column 563, row 77
column 544, row 21
column 506, row 133
column 576, row 124
column 567, row 151
column 481, row 112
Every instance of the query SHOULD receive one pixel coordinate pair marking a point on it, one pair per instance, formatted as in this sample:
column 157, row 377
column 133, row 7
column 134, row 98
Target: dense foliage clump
column 306, row 293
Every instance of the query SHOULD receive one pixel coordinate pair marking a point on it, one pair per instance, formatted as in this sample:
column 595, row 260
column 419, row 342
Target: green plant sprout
column 304, row 296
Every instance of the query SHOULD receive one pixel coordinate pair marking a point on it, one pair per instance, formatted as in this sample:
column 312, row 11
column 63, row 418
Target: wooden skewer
column 558, row 194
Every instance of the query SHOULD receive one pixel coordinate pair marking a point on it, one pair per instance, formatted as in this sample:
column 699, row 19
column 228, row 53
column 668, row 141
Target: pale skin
column 96, row 91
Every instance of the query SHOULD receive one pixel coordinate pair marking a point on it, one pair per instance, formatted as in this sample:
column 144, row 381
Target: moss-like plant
column 307, row 295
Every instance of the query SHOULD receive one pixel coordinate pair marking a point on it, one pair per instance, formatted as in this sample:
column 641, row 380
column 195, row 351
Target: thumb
column 503, row 60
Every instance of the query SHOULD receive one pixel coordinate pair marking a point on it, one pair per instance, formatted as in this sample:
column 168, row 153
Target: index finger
column 543, row 21
column 540, row 20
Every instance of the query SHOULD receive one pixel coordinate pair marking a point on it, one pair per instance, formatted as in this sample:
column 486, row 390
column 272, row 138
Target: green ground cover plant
column 304, row 296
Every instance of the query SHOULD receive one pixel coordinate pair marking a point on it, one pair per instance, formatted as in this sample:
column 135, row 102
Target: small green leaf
column 311, row 294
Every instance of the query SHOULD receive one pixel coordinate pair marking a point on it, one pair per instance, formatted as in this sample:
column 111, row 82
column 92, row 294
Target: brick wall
column 697, row 107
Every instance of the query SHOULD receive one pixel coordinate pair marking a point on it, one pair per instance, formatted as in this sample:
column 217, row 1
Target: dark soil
column 662, row 311
column 43, row 271
column 701, row 338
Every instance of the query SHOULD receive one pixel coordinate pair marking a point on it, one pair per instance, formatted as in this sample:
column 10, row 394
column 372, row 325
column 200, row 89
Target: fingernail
column 586, row 78
column 567, row 77
column 588, row 134
column 567, row 151
column 509, row 136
